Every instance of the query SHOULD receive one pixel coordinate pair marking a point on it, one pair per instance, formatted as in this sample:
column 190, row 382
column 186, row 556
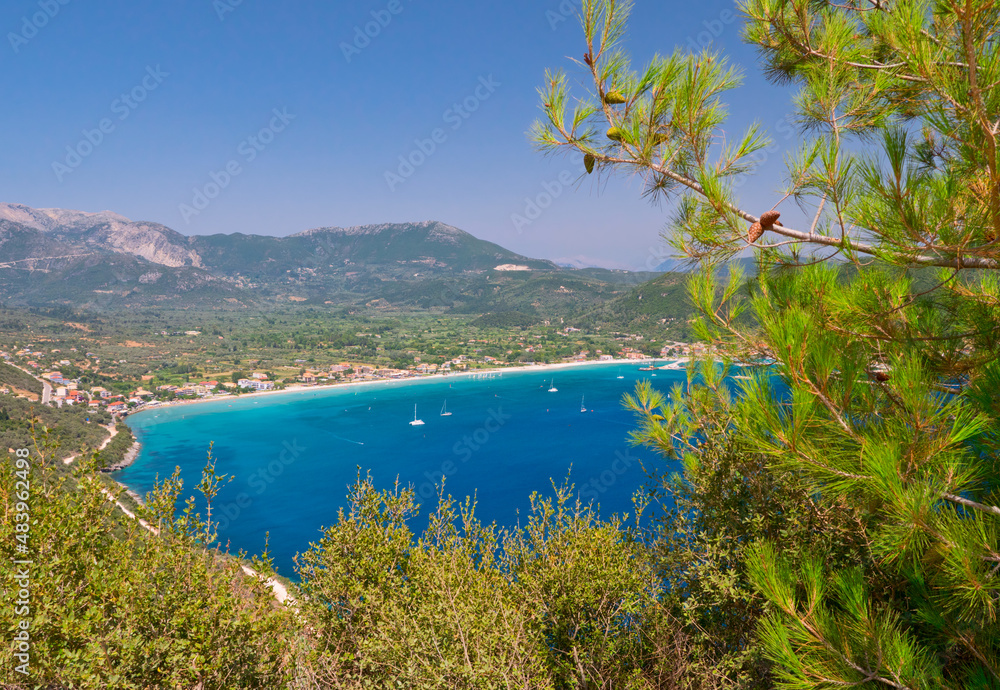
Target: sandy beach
column 533, row 368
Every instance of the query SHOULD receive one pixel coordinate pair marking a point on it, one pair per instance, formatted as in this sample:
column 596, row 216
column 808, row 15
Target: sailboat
column 553, row 389
column 620, row 374
column 583, row 408
column 416, row 422
column 444, row 410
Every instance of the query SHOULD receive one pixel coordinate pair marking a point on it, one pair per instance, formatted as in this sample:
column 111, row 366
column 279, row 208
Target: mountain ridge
column 103, row 261
column 160, row 244
column 106, row 260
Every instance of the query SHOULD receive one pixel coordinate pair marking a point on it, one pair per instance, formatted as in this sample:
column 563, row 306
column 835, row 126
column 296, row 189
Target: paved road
column 12, row 264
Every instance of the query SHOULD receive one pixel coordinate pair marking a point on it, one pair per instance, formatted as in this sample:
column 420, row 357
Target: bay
column 292, row 456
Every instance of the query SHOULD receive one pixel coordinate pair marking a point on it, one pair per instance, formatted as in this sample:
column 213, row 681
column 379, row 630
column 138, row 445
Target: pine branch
column 811, row 237
column 993, row 510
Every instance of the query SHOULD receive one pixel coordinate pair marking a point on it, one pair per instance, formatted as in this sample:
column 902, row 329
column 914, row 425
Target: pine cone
column 766, row 222
column 769, row 219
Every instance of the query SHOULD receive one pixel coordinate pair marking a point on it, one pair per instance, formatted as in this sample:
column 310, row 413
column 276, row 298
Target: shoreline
column 112, row 432
column 130, row 456
column 410, row 380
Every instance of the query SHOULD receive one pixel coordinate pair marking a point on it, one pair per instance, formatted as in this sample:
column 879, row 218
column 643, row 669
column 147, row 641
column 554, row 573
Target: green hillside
column 658, row 307
column 14, row 377
column 403, row 249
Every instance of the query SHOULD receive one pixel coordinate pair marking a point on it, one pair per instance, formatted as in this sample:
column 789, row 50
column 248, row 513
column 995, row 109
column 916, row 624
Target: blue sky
column 308, row 129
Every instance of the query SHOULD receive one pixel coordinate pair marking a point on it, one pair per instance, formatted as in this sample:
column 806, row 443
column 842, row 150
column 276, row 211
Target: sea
column 292, row 457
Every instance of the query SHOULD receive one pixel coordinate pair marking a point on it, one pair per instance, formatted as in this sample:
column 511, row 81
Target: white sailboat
column 444, row 410
column 553, row 389
column 416, row 422
column 620, row 374
column 583, row 408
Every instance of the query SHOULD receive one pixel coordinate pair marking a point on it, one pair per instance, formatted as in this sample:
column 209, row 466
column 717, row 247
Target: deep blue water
column 293, row 456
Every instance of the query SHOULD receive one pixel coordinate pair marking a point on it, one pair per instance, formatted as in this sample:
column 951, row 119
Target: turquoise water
column 293, row 456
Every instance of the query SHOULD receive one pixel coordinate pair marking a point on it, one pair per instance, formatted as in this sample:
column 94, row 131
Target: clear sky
column 183, row 89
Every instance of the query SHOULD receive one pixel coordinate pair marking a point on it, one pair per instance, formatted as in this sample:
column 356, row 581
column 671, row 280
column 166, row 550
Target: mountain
column 428, row 248
column 103, row 260
column 432, row 245
column 659, row 306
column 105, row 231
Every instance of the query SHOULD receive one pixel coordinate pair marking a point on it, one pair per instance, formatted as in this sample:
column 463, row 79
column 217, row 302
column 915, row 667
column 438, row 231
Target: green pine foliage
column 877, row 425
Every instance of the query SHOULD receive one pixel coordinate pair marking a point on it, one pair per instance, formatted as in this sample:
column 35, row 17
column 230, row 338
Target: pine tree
column 881, row 314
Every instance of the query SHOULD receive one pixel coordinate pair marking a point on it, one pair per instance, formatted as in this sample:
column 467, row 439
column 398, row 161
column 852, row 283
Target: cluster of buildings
column 189, row 389
column 364, row 372
column 68, row 392
column 679, row 349
column 28, row 353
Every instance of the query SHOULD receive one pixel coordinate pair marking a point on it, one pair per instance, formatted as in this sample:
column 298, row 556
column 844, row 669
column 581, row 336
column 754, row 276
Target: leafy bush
column 565, row 601
column 132, row 610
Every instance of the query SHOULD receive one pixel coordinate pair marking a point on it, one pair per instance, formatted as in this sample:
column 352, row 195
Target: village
column 61, row 389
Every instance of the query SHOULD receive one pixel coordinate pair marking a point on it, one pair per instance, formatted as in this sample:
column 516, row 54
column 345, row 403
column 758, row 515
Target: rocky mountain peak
column 48, row 219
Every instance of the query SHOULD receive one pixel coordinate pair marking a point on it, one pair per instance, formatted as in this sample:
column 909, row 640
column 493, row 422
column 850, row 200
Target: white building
column 256, row 385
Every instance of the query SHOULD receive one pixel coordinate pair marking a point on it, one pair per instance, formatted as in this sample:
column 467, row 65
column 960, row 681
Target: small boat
column 416, row 422
column 583, row 408
column 620, row 374
column 444, row 410
column 553, row 389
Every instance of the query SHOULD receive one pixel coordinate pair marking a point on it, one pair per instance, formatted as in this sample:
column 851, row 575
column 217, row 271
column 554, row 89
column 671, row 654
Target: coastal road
column 279, row 590
column 46, row 388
